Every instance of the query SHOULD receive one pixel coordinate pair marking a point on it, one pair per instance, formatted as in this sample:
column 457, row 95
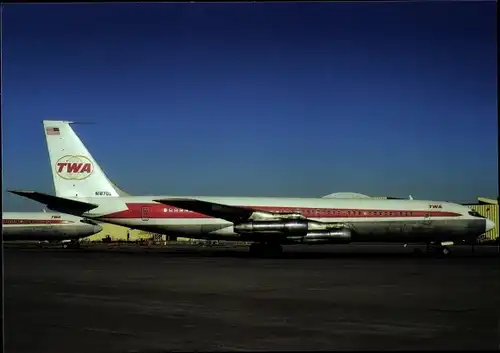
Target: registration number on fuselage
column 102, row 193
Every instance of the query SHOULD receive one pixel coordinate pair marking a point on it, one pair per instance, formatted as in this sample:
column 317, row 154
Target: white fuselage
column 369, row 219
column 51, row 226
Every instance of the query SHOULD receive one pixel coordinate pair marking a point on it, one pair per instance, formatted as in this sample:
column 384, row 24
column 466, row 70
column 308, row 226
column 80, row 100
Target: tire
column 445, row 251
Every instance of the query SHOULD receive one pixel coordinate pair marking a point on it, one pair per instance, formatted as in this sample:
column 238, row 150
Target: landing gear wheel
column 445, row 251
column 438, row 249
column 71, row 245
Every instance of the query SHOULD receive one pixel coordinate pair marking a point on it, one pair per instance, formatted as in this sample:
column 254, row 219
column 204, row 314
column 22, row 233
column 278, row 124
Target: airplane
column 83, row 189
column 47, row 226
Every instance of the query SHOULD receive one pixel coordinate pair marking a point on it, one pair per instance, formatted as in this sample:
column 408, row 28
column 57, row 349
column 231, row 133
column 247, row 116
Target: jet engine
column 337, row 236
column 295, row 227
column 301, row 231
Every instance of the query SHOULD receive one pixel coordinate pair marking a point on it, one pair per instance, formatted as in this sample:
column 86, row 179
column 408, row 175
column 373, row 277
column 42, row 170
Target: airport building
column 115, row 233
column 119, row 233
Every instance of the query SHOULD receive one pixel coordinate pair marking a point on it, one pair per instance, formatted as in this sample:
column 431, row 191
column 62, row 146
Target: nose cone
column 97, row 228
column 489, row 225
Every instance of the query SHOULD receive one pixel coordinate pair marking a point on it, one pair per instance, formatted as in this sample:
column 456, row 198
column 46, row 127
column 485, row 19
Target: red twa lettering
column 74, row 167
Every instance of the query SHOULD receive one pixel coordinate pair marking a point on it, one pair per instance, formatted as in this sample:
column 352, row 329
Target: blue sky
column 283, row 99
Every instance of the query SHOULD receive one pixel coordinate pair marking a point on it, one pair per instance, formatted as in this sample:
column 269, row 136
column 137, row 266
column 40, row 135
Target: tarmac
column 364, row 297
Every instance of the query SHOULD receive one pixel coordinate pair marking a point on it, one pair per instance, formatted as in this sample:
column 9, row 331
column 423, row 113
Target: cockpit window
column 475, row 214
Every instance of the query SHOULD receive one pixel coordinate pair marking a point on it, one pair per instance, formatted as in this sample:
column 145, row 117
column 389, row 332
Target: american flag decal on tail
column 52, row 130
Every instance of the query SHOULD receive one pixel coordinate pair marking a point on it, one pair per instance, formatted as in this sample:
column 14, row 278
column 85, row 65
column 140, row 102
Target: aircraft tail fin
column 75, row 172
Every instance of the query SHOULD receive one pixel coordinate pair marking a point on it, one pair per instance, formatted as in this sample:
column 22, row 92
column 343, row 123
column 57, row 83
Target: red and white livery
column 46, row 226
column 83, row 189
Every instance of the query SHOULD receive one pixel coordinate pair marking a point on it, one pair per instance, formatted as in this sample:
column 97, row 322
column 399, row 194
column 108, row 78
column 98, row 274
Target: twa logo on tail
column 74, row 167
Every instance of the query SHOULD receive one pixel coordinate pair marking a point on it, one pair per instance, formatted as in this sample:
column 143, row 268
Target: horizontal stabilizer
column 56, row 203
column 229, row 213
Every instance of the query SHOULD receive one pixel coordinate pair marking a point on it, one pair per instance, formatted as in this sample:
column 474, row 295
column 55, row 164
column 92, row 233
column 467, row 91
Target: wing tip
column 20, row 192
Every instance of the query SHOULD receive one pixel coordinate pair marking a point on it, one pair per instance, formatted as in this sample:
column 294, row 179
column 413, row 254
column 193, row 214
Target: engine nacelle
column 337, row 236
column 295, row 227
column 259, row 216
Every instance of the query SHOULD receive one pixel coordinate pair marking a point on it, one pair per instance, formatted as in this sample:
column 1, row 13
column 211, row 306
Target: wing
column 212, row 209
column 56, row 203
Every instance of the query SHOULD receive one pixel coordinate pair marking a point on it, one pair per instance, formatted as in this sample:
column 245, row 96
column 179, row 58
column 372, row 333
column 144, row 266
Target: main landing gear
column 266, row 250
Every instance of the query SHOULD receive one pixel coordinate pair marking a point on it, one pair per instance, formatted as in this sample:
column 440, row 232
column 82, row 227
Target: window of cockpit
column 475, row 214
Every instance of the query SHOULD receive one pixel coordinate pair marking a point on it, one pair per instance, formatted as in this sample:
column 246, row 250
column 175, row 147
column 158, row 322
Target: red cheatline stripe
column 158, row 211
column 33, row 221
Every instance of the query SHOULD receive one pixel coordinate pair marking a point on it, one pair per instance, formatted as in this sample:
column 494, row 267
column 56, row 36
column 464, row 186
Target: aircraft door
column 427, row 219
column 145, row 213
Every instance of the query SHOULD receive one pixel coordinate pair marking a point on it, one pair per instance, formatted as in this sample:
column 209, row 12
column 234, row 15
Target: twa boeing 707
column 83, row 189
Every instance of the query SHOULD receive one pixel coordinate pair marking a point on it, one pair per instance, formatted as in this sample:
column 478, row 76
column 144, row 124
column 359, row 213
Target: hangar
column 487, row 208
column 119, row 233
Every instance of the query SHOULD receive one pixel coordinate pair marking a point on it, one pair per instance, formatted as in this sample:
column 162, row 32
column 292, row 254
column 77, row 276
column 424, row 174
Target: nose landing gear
column 438, row 248
column 73, row 244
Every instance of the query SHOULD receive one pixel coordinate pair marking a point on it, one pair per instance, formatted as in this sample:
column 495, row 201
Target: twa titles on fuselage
column 82, row 188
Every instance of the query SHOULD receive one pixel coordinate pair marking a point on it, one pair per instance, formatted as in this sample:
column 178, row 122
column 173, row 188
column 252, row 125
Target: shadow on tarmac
column 374, row 253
